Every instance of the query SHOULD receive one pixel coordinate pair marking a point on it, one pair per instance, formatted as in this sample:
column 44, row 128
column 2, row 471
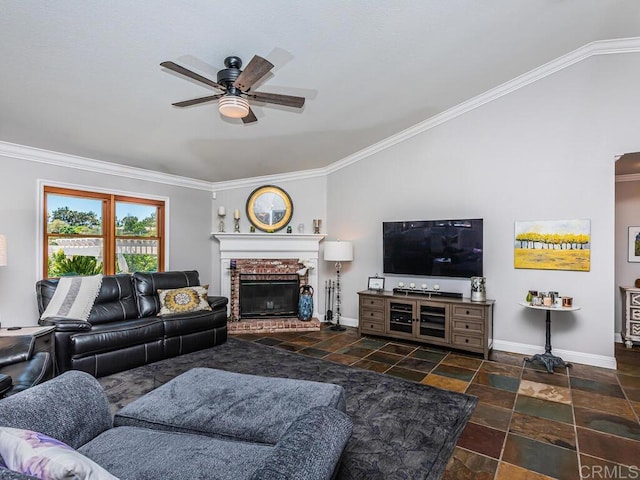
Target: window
column 87, row 233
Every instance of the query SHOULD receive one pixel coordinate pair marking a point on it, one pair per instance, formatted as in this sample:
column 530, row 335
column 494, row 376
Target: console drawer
column 466, row 341
column 468, row 312
column 373, row 302
column 371, row 326
column 368, row 314
column 468, row 326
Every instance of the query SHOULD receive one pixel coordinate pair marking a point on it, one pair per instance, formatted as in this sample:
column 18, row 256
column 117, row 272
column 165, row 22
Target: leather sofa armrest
column 5, row 384
column 66, row 324
column 217, row 302
column 15, row 349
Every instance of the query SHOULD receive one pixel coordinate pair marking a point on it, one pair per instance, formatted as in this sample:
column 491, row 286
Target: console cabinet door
column 400, row 317
column 432, row 322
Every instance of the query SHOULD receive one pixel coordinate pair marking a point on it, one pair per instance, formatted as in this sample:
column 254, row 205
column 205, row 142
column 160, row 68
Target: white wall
column 627, row 214
column 543, row 152
column 190, row 223
column 307, row 195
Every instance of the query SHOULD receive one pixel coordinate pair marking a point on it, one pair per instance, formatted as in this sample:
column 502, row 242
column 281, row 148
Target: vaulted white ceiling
column 82, row 77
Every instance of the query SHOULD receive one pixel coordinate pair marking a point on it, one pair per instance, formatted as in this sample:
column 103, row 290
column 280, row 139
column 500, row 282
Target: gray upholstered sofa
column 73, row 408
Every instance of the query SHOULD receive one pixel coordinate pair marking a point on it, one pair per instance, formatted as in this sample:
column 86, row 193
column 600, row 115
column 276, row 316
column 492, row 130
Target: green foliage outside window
column 60, row 265
column 67, row 221
column 137, row 262
column 131, row 225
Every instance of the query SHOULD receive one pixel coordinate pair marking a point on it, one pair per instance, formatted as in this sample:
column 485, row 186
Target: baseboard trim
column 567, row 355
column 345, row 321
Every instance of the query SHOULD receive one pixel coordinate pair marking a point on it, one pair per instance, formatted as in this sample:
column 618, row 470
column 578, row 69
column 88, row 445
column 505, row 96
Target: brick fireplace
column 267, row 257
column 270, row 272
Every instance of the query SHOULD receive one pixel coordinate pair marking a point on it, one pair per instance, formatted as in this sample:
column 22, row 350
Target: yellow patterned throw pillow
column 183, row 300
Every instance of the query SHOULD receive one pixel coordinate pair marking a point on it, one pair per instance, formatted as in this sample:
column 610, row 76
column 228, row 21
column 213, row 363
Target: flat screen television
column 439, row 248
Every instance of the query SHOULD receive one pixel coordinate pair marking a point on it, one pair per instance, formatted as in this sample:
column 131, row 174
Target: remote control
column 14, row 328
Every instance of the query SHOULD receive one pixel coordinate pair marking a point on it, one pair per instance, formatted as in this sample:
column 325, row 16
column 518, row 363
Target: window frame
column 109, row 235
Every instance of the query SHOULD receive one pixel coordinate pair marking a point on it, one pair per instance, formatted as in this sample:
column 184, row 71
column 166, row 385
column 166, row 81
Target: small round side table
column 547, row 358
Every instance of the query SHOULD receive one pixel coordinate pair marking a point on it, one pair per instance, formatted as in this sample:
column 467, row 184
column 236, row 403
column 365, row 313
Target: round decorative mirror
column 269, row 208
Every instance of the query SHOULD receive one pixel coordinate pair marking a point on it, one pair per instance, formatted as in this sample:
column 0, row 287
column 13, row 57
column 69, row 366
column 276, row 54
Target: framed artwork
column 634, row 244
column 376, row 283
column 553, row 245
column 269, row 208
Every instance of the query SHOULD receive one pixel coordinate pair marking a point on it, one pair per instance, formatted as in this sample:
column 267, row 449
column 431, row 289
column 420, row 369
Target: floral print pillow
column 38, row 455
column 183, row 300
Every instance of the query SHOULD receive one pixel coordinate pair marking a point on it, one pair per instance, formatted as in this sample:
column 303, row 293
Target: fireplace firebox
column 268, row 295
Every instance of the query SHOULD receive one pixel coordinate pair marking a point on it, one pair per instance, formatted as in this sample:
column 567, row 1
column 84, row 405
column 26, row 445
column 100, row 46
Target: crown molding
column 601, row 47
column 268, row 179
column 32, row 154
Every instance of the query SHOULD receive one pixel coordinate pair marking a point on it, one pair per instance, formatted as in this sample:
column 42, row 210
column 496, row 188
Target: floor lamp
column 338, row 252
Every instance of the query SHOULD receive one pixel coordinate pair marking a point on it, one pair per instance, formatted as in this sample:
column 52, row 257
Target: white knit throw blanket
column 74, row 297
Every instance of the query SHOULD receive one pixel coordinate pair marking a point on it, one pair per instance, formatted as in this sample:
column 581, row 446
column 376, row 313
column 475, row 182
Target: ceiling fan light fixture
column 233, row 106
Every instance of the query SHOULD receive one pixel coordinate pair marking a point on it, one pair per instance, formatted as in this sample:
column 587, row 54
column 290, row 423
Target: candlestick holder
column 221, row 222
column 236, row 225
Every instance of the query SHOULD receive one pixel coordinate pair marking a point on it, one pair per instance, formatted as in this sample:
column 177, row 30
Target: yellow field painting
column 553, row 259
column 553, row 245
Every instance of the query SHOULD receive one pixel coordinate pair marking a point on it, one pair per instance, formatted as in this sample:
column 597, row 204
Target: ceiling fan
column 235, row 85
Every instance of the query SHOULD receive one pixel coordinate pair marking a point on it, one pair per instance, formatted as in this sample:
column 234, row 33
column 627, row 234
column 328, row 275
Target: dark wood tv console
column 450, row 322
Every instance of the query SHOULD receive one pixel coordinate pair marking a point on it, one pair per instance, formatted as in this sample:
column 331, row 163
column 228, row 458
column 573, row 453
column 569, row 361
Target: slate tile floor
column 579, row 423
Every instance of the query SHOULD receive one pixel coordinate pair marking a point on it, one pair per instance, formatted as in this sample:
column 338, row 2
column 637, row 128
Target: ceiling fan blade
column 257, row 68
column 188, row 73
column 250, row 118
column 286, row 100
column 196, row 101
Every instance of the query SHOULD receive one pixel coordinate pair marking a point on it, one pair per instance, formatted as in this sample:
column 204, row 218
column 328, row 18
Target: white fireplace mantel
column 304, row 247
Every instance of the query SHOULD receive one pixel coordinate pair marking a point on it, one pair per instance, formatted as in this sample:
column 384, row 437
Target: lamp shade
column 338, row 251
column 3, row 250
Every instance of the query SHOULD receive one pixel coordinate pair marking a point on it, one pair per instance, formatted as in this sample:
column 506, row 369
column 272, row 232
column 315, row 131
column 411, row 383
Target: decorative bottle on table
column 305, row 304
column 478, row 289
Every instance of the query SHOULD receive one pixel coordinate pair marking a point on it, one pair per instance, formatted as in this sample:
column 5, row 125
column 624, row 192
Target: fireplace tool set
column 329, row 292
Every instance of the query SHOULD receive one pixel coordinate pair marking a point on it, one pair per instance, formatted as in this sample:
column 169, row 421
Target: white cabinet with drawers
column 630, row 315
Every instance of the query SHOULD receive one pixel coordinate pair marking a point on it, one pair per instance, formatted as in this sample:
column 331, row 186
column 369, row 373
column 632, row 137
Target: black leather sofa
column 124, row 329
column 22, row 365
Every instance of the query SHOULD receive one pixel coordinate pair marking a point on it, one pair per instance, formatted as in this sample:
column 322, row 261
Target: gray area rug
column 402, row 429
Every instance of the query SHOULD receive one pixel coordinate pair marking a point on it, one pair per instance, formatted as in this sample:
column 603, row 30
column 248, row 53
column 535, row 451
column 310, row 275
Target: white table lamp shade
column 3, row 250
column 338, row 251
